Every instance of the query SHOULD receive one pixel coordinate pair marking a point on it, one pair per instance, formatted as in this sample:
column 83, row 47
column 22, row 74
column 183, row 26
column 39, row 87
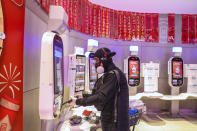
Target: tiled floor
column 165, row 122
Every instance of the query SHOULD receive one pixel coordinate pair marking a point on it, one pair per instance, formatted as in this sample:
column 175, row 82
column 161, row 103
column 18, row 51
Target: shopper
column 110, row 94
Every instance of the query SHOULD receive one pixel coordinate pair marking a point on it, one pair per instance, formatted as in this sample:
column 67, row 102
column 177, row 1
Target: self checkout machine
column 132, row 70
column 91, row 75
column 51, row 69
column 175, row 78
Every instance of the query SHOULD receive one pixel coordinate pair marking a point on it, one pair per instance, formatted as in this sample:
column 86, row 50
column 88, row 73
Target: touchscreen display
column 133, row 69
column 177, row 69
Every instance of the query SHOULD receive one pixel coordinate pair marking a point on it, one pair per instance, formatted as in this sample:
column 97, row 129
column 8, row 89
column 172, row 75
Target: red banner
column 94, row 20
column 87, row 18
column 124, row 27
column 120, row 24
column 155, row 28
column 70, row 14
column 191, row 28
column 196, row 29
column 133, row 26
column 75, row 14
column 137, row 34
column 171, row 28
column 99, row 18
column 83, row 13
column 148, row 29
column 107, row 23
column 116, row 25
column 45, row 5
column 185, row 24
column 129, row 19
column 111, row 23
column 142, row 27
column 103, row 19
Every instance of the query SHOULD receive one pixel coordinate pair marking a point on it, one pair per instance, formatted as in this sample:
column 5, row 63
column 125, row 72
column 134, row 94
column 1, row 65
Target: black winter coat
column 104, row 95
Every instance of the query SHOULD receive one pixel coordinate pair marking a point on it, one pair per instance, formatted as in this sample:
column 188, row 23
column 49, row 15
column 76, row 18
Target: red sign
column 185, row 29
column 191, row 29
column 133, row 69
column 148, row 37
column 171, row 28
column 177, row 70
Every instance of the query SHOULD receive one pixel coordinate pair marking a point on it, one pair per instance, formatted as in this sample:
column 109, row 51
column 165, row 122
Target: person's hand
column 73, row 102
column 79, row 94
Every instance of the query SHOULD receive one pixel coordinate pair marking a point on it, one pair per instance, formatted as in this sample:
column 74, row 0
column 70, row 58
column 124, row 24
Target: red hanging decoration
column 142, row 27
column 107, row 23
column 155, row 28
column 111, row 23
column 129, row 19
column 171, row 28
column 103, row 19
column 191, row 28
column 94, row 20
column 133, row 27
column 99, row 16
column 148, row 29
column 124, row 26
column 196, row 30
column 116, row 31
column 120, row 24
column 45, row 5
column 70, row 14
column 87, row 17
column 185, row 24
column 137, row 34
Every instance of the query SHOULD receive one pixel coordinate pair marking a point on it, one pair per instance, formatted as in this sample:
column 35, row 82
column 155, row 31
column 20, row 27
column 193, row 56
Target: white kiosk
column 175, row 79
column 91, row 75
column 51, row 69
column 132, row 70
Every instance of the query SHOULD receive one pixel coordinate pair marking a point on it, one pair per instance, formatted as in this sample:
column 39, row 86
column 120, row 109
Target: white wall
column 35, row 26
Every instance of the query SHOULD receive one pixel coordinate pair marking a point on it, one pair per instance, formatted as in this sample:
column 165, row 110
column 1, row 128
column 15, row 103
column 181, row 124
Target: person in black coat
column 114, row 110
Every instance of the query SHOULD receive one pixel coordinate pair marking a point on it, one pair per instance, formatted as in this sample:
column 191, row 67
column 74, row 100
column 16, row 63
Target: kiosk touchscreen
column 92, row 71
column 177, row 71
column 133, row 71
column 51, row 76
column 58, row 74
column 175, row 68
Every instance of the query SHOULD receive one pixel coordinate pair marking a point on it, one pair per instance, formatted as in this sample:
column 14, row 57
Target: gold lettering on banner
column 107, row 23
column 133, row 26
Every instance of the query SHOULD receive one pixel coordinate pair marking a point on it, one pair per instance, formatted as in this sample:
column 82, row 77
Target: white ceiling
column 151, row 6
